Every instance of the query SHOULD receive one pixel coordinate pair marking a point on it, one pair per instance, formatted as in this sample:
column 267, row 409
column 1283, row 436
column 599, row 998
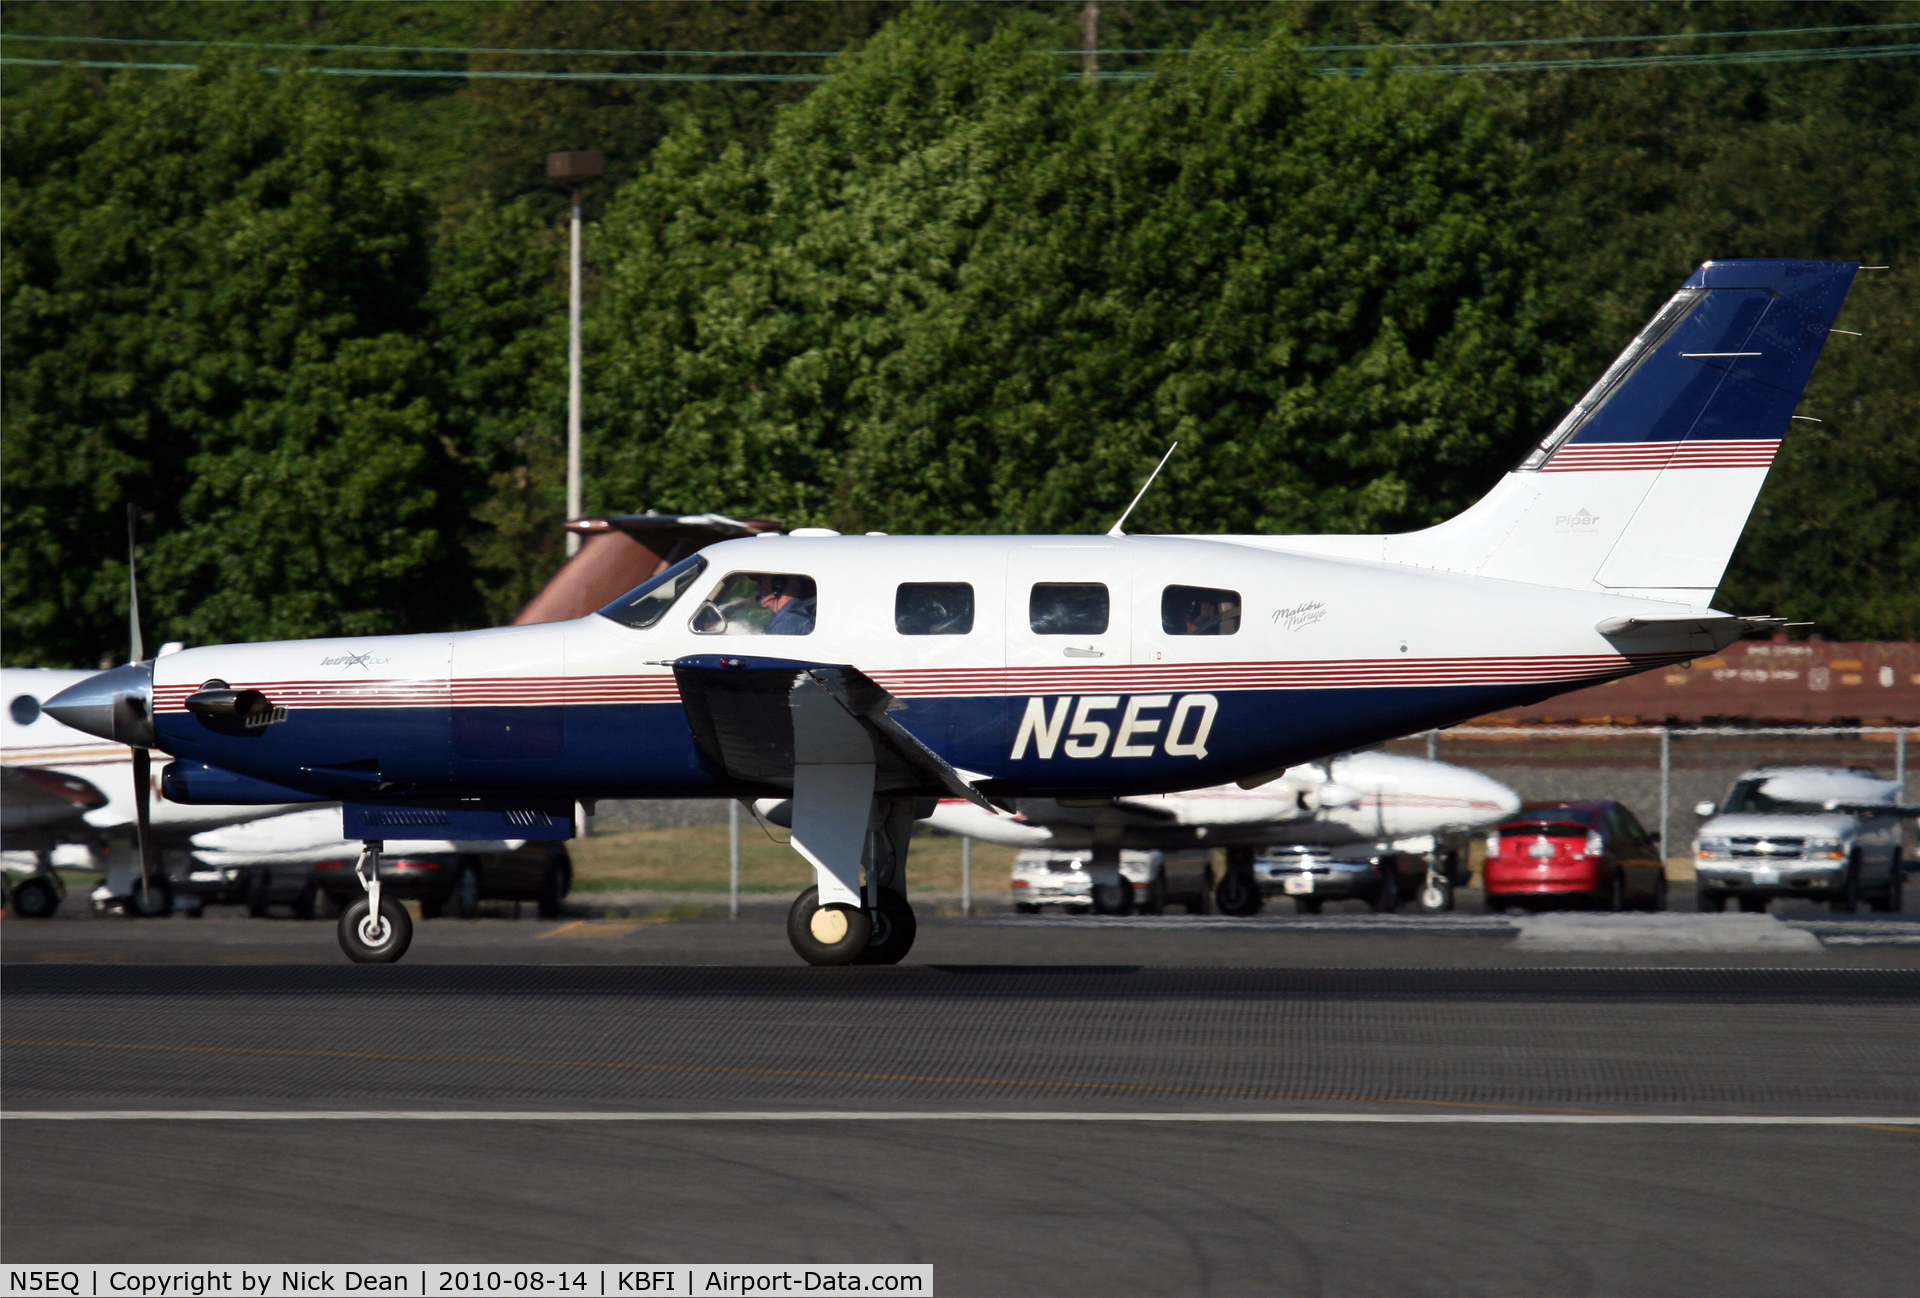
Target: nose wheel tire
column 35, row 899
column 1436, row 895
column 827, row 935
column 1237, row 893
column 370, row 939
column 152, row 901
column 894, row 928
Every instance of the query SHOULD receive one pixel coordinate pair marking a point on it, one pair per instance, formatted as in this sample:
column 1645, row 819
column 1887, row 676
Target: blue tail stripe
column 1683, row 391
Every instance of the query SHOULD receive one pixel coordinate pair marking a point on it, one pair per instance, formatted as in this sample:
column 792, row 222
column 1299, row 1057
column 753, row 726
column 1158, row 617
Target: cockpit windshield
column 648, row 602
column 1747, row 800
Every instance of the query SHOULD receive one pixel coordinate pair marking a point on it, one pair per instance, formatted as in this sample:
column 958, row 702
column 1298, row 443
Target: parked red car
column 1591, row 854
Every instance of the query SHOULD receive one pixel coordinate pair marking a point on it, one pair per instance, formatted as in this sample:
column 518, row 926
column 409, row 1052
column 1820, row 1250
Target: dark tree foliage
column 956, row 292
column 317, row 332
column 520, row 122
column 212, row 311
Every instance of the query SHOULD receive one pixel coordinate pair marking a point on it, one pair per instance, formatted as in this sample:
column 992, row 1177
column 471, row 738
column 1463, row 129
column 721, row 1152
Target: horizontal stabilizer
column 1667, row 623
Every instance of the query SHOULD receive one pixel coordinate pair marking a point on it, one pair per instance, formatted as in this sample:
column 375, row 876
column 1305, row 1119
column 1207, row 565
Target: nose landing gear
column 375, row 929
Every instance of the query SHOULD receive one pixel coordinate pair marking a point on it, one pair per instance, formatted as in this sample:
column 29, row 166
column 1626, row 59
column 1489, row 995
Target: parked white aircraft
column 1356, row 798
column 85, row 797
column 860, row 674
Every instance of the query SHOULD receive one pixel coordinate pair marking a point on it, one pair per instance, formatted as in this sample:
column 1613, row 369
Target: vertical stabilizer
column 1645, row 486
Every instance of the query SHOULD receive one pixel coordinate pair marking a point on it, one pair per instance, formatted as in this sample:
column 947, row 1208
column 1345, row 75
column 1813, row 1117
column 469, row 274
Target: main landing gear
column 880, row 928
column 375, row 929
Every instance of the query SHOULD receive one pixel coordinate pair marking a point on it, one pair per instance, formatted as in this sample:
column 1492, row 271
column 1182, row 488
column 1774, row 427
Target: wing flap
column 755, row 719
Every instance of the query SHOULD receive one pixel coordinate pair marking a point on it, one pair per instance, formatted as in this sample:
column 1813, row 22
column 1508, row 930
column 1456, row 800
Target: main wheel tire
column 258, row 885
column 465, row 897
column 152, row 901
column 827, row 935
column 894, row 927
column 1199, row 905
column 375, row 943
column 1893, row 896
column 303, row 905
column 553, row 890
column 1113, row 898
column 35, row 898
column 1847, row 900
column 1708, row 900
column 1237, row 894
column 1386, row 899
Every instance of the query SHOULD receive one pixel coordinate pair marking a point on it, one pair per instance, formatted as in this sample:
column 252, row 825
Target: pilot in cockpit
column 790, row 599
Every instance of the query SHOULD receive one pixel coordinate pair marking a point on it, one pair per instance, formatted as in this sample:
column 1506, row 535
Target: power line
column 430, row 49
column 461, row 74
column 1825, row 54
column 824, row 54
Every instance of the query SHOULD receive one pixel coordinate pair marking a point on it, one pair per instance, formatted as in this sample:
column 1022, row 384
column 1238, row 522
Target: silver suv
column 1802, row 831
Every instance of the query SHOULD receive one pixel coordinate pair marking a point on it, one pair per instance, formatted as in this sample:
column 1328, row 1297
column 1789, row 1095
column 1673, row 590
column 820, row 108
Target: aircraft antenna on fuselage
column 1115, row 529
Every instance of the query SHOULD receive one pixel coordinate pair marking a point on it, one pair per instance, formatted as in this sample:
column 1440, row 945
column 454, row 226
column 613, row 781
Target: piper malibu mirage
column 867, row 676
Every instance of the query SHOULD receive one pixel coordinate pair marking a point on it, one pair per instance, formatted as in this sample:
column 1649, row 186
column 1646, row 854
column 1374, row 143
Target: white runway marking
column 851, row 1115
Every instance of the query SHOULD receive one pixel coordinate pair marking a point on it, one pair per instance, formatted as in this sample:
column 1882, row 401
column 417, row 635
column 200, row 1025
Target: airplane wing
column 755, row 719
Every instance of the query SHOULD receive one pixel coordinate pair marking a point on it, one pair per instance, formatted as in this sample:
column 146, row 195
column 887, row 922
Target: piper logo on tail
column 1113, row 725
column 1578, row 521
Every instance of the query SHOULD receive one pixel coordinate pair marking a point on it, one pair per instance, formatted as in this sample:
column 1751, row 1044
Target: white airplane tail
column 1644, row 488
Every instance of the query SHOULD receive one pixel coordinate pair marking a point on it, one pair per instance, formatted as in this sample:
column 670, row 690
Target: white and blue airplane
column 866, row 676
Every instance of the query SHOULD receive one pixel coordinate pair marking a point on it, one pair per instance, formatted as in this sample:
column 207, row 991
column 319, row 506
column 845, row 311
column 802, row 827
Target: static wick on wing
column 1125, row 514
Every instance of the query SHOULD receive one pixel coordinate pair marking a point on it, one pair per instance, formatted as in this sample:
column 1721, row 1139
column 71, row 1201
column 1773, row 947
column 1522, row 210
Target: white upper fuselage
column 1329, row 653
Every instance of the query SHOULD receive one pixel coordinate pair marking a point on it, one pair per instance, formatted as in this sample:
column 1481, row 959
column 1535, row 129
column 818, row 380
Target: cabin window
column 758, row 603
column 1067, row 608
column 933, row 608
column 648, row 602
column 1199, row 610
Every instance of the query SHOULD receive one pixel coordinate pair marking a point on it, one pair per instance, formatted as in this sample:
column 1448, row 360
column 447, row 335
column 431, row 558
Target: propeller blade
column 133, row 597
column 142, row 818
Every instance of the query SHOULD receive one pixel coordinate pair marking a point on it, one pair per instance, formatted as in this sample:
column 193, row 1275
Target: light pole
column 574, row 166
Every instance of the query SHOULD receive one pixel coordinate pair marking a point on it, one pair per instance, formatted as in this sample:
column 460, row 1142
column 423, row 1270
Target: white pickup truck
column 1803, row 831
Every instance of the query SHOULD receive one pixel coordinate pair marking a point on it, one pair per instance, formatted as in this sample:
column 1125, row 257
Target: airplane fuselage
column 1083, row 665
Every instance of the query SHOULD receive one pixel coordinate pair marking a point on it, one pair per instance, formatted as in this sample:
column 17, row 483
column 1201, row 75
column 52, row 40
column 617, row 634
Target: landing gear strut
column 1112, row 890
column 375, row 929
column 881, row 929
column 1237, row 892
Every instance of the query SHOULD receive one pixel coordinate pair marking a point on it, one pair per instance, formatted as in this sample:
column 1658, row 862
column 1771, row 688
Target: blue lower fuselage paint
column 648, row 751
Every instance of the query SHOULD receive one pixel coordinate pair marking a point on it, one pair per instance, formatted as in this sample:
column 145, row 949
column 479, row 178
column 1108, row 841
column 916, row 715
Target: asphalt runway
column 1498, row 1122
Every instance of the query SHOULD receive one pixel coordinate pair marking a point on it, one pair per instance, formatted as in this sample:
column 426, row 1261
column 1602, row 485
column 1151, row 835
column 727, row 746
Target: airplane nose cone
column 1499, row 794
column 115, row 705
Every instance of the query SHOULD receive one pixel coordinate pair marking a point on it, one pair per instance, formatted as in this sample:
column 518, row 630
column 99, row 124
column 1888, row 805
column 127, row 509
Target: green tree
column 212, row 288
column 957, row 290
column 498, row 304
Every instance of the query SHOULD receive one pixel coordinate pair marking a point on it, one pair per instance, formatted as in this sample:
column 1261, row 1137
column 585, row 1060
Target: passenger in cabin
column 1199, row 610
column 791, row 600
